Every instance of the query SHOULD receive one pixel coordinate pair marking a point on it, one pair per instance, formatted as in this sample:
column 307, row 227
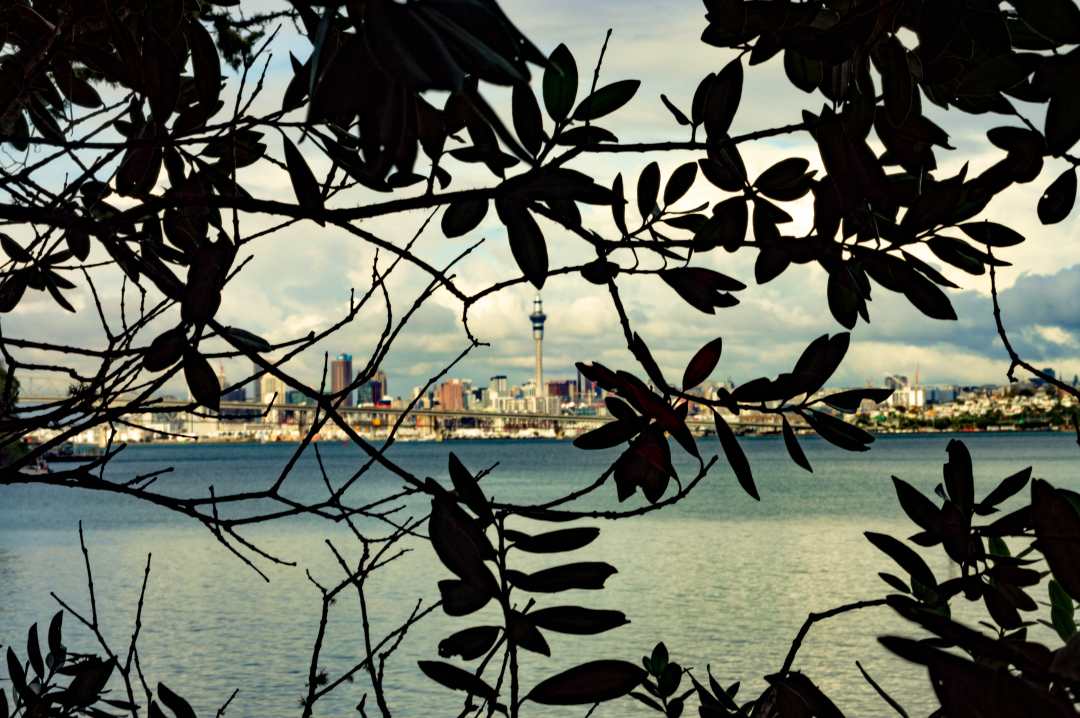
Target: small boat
column 68, row 453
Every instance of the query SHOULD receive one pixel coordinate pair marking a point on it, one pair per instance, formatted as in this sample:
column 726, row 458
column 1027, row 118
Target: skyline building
column 538, row 318
column 341, row 376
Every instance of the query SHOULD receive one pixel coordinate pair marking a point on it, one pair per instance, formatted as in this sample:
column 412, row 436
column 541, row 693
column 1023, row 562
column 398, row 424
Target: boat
column 69, row 453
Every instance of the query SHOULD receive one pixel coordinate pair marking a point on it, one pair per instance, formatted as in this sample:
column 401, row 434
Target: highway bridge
column 365, row 414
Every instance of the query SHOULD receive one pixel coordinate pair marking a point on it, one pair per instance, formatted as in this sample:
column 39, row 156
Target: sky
column 300, row 278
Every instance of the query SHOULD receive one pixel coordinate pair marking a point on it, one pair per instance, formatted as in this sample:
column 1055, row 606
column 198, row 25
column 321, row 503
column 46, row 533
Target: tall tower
column 538, row 318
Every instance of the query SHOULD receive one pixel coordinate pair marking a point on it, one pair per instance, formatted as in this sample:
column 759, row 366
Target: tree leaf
column 906, row 558
column 584, row 575
column 606, row 100
column 680, row 182
column 791, row 442
column 577, row 620
column 702, row 364
column 608, row 435
column 1062, row 128
column 557, row 541
column 1057, row 202
column 648, row 188
column 460, row 598
column 468, row 490
column 592, row 682
column 528, row 122
column 463, row 216
column 1057, row 528
column 786, row 180
column 838, row 432
column 526, row 241
column 180, row 707
column 33, row 652
column 246, row 340
column 205, row 64
column 722, row 102
column 460, row 543
column 560, row 83
column 959, row 479
column 992, row 234
column 1008, row 487
column 305, row 187
column 919, row 509
column 470, row 643
column 457, row 679
column 681, row 118
column 735, row 456
column 201, row 380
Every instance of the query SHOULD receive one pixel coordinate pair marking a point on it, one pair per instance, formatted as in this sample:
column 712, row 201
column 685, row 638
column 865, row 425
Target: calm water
column 723, row 580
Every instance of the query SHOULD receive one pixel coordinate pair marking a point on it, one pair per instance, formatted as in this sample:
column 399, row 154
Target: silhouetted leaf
column 928, row 298
column 735, row 456
column 992, row 234
column 959, row 480
column 592, row 682
column 771, row 263
column 675, row 111
column 526, row 241
column 786, row 180
column 586, row 136
column 702, row 364
column 791, row 442
column 520, row 628
column 463, row 216
column 33, row 652
column 918, row 508
column 1062, row 128
column 703, row 288
column 460, row 543
column 648, row 188
column 205, row 63
column 557, row 541
column 560, row 83
column 599, row 272
column 722, row 102
column 576, row 620
column 468, row 490
column 201, row 380
column 1057, row 202
column 180, row 707
column 456, row 679
column 304, row 184
column 90, row 679
column 838, row 432
column 904, row 557
column 460, row 598
column 1008, row 487
column 584, row 575
column 470, row 643
column 528, row 122
column 165, row 350
column 850, row 401
column 1057, row 527
column 606, row 100
column 680, row 182
column 608, row 435
column 246, row 340
column 56, row 639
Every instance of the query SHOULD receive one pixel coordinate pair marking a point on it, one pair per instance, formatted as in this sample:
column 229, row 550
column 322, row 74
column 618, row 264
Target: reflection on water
column 723, row 580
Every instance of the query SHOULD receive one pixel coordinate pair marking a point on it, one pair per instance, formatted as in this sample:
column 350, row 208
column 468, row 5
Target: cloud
column 302, row 277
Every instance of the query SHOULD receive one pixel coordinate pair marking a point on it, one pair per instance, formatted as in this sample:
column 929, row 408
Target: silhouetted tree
column 156, row 143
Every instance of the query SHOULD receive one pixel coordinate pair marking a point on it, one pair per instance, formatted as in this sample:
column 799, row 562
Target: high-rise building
column 341, row 376
column 384, row 383
column 498, row 385
column 538, row 318
column 451, row 395
column 370, row 392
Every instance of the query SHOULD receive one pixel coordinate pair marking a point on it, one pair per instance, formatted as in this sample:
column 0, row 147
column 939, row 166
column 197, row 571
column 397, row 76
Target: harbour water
column 725, row 581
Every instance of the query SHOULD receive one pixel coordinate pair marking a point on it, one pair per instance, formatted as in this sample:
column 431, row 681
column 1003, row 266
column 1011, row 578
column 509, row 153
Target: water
column 725, row 581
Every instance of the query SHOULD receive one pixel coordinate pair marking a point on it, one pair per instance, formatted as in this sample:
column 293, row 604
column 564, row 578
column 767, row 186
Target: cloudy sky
column 301, row 277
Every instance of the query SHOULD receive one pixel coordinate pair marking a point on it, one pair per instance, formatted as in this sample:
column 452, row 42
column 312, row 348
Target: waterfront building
column 341, row 376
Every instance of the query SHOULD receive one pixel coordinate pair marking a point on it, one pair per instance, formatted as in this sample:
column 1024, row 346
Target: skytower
column 538, row 318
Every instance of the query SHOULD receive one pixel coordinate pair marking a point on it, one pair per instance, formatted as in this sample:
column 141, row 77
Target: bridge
column 746, row 420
